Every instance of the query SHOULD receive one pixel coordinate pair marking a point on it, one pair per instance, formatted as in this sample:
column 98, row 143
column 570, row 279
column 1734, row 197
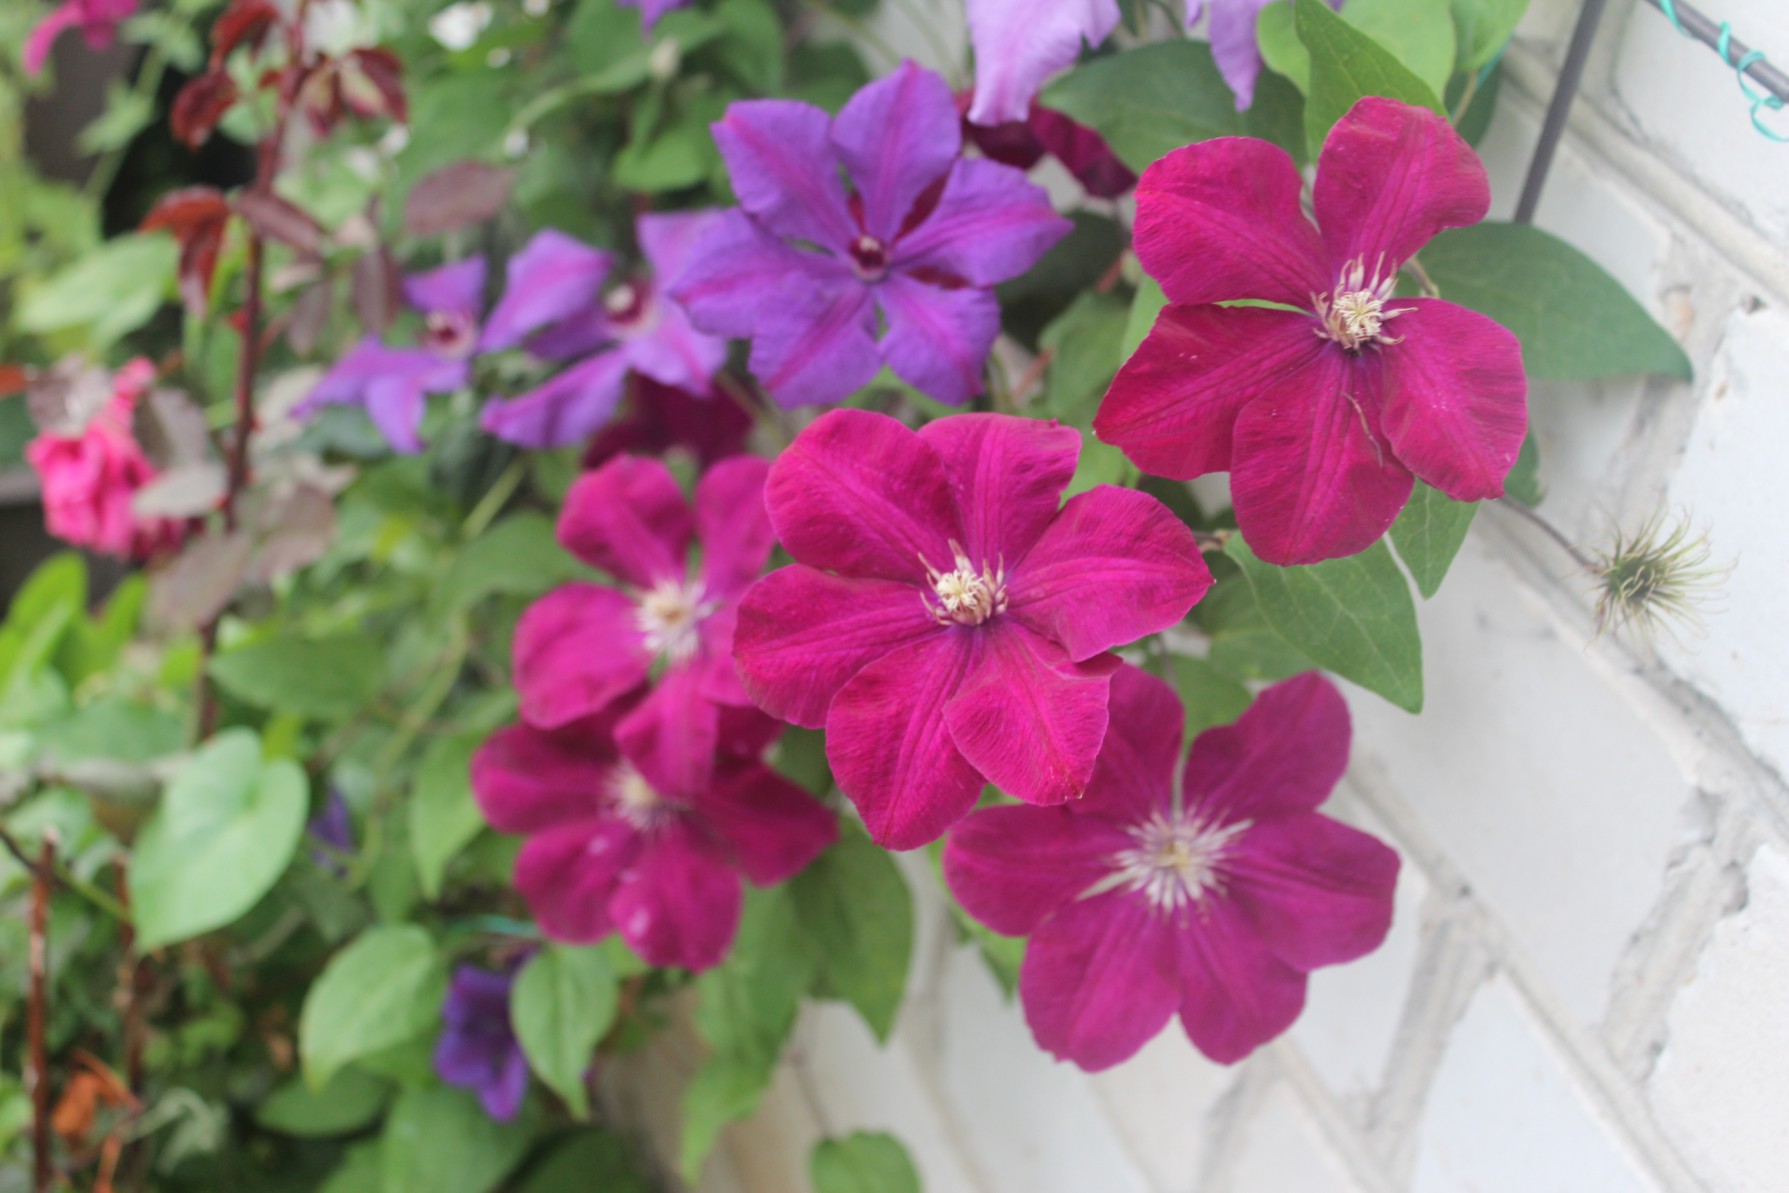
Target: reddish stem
column 37, row 1074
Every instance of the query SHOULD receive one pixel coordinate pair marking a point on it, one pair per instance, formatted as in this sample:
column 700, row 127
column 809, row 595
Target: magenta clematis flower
column 1324, row 415
column 478, row 1049
column 617, row 844
column 1020, row 43
column 556, row 302
column 659, row 418
column 922, row 239
column 945, row 621
column 1216, row 904
column 583, row 646
column 392, row 384
column 98, row 21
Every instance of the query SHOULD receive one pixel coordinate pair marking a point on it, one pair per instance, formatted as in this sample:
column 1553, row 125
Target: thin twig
column 37, row 1075
column 1551, row 531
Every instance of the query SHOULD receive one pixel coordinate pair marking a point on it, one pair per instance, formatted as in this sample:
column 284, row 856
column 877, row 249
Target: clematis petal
column 1007, row 475
column 577, row 650
column 1174, row 403
column 890, row 750
column 816, row 343
column 527, row 779
column 1235, row 994
column 803, row 634
column 938, row 339
column 733, row 524
column 1134, row 776
column 1221, row 220
column 860, row 494
column 457, row 287
column 502, row 1096
column 1114, row 565
column 1019, row 43
column 785, row 170
column 569, row 873
column 628, row 518
column 678, row 904
column 1456, row 407
column 674, row 352
column 563, row 410
column 1245, row 770
column 735, row 271
column 670, row 738
column 1313, row 477
column 720, row 681
column 1233, row 44
column 771, row 827
column 396, row 402
column 42, row 38
column 1390, row 177
column 1010, row 867
column 668, row 239
column 990, row 224
column 1317, row 891
column 896, row 137
column 1029, row 719
column 553, row 277
column 1096, row 981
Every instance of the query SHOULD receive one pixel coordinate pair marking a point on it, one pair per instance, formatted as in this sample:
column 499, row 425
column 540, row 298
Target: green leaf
column 1346, row 65
column 1276, row 34
column 443, row 816
column 1418, row 33
column 114, row 728
column 517, row 556
column 110, row 290
column 361, row 1171
column 1428, row 535
column 382, row 990
column 863, row 1162
column 1243, row 645
column 1085, row 343
column 588, row 1162
column 1100, row 464
column 1524, row 480
column 440, row 1140
column 1158, row 97
column 1483, row 26
column 314, row 677
column 1352, row 615
column 1211, row 697
column 858, row 914
column 1574, row 320
column 1147, row 304
column 225, row 828
column 563, row 1001
column 350, row 1101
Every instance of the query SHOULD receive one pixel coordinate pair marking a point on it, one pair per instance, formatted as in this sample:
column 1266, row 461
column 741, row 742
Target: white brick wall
column 1587, row 986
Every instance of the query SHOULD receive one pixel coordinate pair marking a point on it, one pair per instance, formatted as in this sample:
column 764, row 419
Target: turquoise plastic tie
column 1761, row 101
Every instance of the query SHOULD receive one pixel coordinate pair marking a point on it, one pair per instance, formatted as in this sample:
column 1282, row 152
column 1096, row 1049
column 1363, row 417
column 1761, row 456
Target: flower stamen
column 669, row 615
column 966, row 596
column 637, row 802
column 1178, row 859
column 1354, row 313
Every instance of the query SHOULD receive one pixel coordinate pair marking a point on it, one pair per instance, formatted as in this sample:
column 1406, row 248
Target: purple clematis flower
column 1020, row 43
column 651, row 10
column 583, row 646
column 392, row 384
column 945, row 620
column 556, row 302
column 1323, row 415
column 333, row 828
column 478, row 1049
column 616, row 843
column 98, row 21
column 1214, row 903
column 922, row 239
column 1234, row 45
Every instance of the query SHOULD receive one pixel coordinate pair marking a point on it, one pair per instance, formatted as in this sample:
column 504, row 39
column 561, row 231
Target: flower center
column 669, row 614
column 450, row 333
column 1354, row 313
column 1177, row 858
column 869, row 258
column 629, row 308
column 964, row 595
column 637, row 802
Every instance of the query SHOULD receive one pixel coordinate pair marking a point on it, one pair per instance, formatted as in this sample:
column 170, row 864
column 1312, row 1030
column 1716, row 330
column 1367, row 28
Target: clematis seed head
column 1657, row 576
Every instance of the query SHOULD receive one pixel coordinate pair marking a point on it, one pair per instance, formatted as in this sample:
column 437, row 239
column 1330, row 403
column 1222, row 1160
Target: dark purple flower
column 804, row 266
column 478, row 1049
column 332, row 827
column 1023, row 143
column 658, row 418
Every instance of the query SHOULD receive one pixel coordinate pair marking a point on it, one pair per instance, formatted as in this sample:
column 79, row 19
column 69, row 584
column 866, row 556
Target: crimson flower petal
column 890, row 750
column 1114, row 565
column 577, row 650
column 1010, row 867
column 859, row 493
column 990, row 224
column 569, row 873
column 1245, row 770
column 1027, row 717
column 527, row 779
column 1390, row 177
column 1008, row 475
column 1317, row 891
column 678, row 904
column 1314, row 477
column 1221, row 220
column 938, row 339
column 1174, row 403
column 1020, row 43
column 815, row 343
column 897, row 136
column 670, row 738
column 803, row 634
column 1133, row 778
column 1236, row 995
column 1093, row 982
column 1455, row 397
column 772, row 827
column 785, row 170
column 630, row 519
column 553, row 276
column 562, row 410
column 733, row 524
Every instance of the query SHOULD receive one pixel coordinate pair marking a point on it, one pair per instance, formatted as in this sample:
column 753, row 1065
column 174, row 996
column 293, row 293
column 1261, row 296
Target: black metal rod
column 1571, row 73
column 1708, row 32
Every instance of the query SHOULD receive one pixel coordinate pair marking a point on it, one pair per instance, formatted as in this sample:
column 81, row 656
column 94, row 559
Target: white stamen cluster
column 668, row 616
column 636, row 802
column 966, row 596
column 1177, row 859
column 1354, row 313
column 450, row 333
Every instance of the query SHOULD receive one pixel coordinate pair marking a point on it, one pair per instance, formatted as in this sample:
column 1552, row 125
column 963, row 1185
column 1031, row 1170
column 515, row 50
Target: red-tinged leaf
column 200, row 105
column 14, row 379
column 298, row 528
column 189, row 491
column 198, row 216
column 187, row 208
column 310, row 317
column 244, row 22
column 318, row 94
column 280, row 219
column 456, row 196
column 200, row 582
column 377, row 290
column 172, row 430
column 373, row 84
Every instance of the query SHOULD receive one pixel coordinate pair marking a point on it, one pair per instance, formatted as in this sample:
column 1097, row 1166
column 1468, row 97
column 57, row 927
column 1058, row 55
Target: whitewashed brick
column 1283, row 1151
column 1732, row 481
column 769, row 1151
column 1722, row 1085
column 1505, row 1115
column 1158, row 1102
column 1534, row 769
